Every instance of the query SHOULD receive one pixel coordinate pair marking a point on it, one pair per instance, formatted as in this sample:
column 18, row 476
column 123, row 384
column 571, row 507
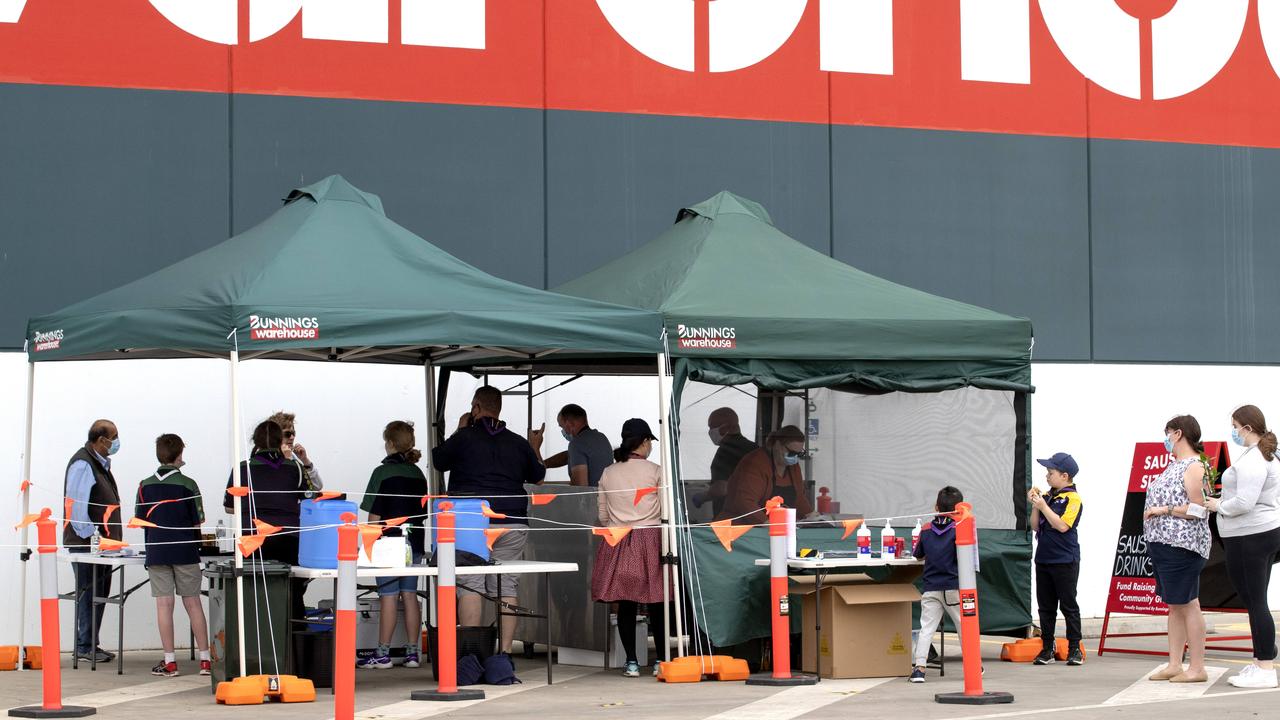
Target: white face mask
column 716, row 436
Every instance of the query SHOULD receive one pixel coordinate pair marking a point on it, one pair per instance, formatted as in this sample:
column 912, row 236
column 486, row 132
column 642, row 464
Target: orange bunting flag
column 23, row 487
column 849, row 527
column 491, row 535
column 66, row 511
column 27, row 521
column 157, row 504
column 369, row 534
column 395, row 521
column 542, row 499
column 238, row 491
column 326, row 495
column 265, row 528
column 428, row 498
column 106, row 518
column 109, row 544
column 641, row 492
column 727, row 532
column 250, row 543
column 136, row 522
column 484, row 510
column 611, row 535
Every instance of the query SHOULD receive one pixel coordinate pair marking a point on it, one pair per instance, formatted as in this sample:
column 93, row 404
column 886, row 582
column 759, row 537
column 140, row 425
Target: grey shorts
column 166, row 579
column 510, row 546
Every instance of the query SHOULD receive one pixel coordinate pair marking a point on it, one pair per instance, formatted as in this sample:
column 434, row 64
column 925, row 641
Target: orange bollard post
column 779, row 604
column 970, row 629
column 51, row 706
column 446, row 652
column 344, row 621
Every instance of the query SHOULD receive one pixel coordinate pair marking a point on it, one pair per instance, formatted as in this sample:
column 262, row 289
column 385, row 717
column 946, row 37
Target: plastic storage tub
column 319, row 548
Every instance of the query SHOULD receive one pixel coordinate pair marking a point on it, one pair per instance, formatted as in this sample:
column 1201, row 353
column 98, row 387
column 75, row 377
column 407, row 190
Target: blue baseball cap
column 1062, row 462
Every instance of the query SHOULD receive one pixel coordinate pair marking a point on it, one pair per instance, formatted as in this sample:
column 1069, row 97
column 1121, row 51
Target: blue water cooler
column 469, row 522
column 318, row 548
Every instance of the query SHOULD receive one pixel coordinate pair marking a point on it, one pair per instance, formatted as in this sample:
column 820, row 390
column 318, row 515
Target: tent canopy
column 750, row 303
column 330, row 277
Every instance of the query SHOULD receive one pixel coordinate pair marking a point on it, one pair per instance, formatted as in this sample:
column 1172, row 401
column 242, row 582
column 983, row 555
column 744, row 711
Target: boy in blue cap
column 1055, row 517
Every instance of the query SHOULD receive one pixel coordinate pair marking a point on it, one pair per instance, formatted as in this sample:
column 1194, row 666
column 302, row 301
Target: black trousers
column 627, row 612
column 1056, row 587
column 1249, row 560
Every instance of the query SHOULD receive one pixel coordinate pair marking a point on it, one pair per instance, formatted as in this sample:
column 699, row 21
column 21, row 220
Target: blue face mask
column 1236, row 437
column 115, row 447
column 567, row 435
column 791, row 459
column 1168, row 444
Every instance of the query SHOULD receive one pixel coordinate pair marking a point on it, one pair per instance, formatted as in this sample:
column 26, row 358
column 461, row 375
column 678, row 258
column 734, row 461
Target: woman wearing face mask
column 629, row 573
column 1178, row 543
column 1249, row 525
column 772, row 470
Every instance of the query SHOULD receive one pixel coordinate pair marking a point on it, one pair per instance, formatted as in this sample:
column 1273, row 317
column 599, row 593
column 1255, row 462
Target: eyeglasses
column 290, row 433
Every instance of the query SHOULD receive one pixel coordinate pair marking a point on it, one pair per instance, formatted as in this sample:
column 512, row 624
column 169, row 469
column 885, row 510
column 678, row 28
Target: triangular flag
column 109, row 544
column 543, row 498
column 250, row 543
column 641, row 492
column 491, row 535
column 27, row 520
column 487, row 512
column 369, row 534
column 66, row 511
column 23, row 486
column 136, row 522
column 395, row 521
column 265, row 528
column 849, row 527
column 425, row 498
column 727, row 532
column 238, row 491
column 327, row 495
column 106, row 518
column 611, row 535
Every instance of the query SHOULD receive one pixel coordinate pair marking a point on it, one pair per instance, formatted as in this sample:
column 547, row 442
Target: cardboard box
column 866, row 625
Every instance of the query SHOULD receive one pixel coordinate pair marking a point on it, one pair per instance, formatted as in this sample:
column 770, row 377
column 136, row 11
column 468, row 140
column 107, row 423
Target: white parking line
column 796, row 701
column 142, row 691
column 1145, row 691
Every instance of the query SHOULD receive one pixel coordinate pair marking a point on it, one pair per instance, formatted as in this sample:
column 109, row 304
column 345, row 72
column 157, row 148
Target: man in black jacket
column 92, row 505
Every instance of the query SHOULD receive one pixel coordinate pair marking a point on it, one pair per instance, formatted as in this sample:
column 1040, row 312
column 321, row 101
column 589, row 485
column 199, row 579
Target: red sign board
column 1133, row 584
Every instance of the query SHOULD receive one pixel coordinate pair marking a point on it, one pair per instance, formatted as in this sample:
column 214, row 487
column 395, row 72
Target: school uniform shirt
column 488, row 461
column 277, row 484
column 172, row 501
column 937, row 547
column 395, row 490
column 1055, row 547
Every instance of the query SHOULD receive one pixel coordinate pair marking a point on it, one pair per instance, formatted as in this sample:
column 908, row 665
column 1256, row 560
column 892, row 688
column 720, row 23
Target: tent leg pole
column 429, row 370
column 235, row 503
column 671, row 546
column 26, row 510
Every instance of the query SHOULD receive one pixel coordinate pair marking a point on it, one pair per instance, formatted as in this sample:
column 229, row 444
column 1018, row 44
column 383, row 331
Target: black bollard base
column 986, row 698
column 39, row 711
column 456, row 696
column 768, row 680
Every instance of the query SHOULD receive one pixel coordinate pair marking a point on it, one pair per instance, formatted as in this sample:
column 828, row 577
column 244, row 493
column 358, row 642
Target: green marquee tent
column 744, row 304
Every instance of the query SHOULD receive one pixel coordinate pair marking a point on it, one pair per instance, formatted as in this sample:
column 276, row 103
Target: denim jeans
column 86, row 639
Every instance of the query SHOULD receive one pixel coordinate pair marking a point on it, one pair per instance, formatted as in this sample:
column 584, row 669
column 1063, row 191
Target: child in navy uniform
column 1055, row 517
column 941, row 580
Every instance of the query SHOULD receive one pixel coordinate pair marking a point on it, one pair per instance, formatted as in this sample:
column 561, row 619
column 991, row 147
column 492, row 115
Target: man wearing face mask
column 589, row 450
column 773, row 470
column 731, row 447
column 91, row 490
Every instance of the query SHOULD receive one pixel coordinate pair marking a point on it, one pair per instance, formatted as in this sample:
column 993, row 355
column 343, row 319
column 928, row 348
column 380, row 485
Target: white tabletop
column 843, row 563
column 112, row 560
column 501, row 568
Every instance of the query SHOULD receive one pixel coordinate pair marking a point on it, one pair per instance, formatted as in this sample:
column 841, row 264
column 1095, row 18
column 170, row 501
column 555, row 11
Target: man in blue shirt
column 94, row 507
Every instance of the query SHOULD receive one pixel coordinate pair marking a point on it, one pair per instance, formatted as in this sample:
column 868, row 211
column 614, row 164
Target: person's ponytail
column 1267, row 445
column 629, row 445
column 413, row 456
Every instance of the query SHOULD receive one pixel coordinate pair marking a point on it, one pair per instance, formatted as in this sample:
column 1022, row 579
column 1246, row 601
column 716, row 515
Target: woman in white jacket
column 1249, row 525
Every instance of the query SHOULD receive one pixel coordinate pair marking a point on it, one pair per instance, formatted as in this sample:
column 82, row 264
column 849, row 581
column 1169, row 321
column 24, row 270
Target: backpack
column 499, row 670
column 469, row 670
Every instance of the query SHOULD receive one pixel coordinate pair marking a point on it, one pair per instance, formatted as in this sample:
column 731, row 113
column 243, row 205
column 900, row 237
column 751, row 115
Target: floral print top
column 1168, row 491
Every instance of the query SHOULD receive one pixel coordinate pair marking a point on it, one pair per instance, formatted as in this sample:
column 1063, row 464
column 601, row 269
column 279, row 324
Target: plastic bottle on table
column 915, row 536
column 824, row 501
column 220, row 536
column 888, row 541
column 94, row 541
column 864, row 542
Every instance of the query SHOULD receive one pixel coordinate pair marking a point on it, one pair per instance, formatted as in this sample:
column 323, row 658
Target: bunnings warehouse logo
column 51, row 340
column 286, row 328
column 706, row 338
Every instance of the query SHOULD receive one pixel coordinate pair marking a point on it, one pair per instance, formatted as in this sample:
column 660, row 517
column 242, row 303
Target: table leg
column 119, row 624
column 75, row 657
column 93, row 620
column 817, row 626
column 546, row 632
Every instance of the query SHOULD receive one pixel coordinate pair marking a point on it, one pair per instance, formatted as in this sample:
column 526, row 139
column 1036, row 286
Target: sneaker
column 110, row 655
column 206, row 667
column 411, row 660
column 1075, row 656
column 101, row 656
column 657, row 668
column 917, row 674
column 632, row 669
column 1253, row 676
column 165, row 669
column 1045, row 657
column 374, row 662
